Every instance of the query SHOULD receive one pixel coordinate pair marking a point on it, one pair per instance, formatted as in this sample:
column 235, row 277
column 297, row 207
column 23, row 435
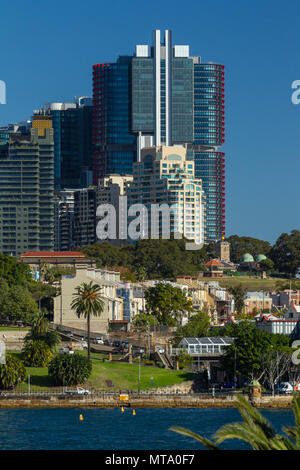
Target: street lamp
column 140, row 370
column 234, row 373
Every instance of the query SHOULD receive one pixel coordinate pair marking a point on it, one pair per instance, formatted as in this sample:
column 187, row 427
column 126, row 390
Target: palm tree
column 40, row 323
column 40, row 331
column 88, row 301
column 255, row 430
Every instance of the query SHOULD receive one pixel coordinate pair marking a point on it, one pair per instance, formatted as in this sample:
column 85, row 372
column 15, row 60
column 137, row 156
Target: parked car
column 228, row 385
column 99, row 341
column 65, row 351
column 160, row 349
column 68, row 333
column 78, row 391
column 117, row 344
column 84, row 344
column 285, row 387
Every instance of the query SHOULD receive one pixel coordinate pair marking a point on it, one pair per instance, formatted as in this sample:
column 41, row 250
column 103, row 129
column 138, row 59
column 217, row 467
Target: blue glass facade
column 164, row 93
column 182, row 100
column 114, row 144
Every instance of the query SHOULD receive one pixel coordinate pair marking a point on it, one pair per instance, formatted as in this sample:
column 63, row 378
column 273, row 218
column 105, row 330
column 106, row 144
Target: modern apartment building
column 86, row 202
column 162, row 95
column 109, row 191
column 166, row 176
column 85, row 206
column 63, row 219
column 26, row 192
column 72, row 125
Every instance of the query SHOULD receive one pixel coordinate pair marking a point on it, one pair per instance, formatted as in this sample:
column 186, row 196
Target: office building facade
column 72, row 126
column 162, row 96
column 63, row 220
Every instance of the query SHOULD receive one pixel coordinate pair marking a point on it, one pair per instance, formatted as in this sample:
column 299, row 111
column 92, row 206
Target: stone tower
column 223, row 250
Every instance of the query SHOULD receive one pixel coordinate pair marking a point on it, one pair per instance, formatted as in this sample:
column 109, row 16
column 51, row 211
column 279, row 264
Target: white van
column 285, row 387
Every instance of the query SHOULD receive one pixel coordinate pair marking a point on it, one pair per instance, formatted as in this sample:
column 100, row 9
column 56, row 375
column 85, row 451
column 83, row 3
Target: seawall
column 139, row 401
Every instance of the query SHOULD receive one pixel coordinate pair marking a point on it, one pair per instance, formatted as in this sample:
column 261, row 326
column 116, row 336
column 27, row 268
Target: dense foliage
column 12, row 372
column 286, row 253
column 40, row 331
column 166, row 259
column 149, row 259
column 167, row 303
column 184, row 360
column 37, row 353
column 16, row 303
column 246, row 354
column 14, row 272
column 241, row 245
column 69, row 369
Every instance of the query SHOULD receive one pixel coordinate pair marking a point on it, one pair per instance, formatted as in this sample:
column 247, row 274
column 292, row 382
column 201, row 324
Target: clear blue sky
column 48, row 48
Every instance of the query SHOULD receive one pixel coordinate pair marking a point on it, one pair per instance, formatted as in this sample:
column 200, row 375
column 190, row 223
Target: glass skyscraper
column 162, row 96
column 72, row 126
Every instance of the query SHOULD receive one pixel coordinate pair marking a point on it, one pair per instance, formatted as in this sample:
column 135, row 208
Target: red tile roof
column 52, row 254
column 213, row 262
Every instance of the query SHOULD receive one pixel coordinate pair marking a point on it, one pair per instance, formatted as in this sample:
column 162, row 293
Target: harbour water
column 110, row 429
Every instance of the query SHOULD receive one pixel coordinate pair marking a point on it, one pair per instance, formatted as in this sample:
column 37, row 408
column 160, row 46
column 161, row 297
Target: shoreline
column 154, row 401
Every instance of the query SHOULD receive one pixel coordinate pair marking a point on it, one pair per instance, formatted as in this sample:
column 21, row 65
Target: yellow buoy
column 133, row 412
column 80, row 418
column 122, row 409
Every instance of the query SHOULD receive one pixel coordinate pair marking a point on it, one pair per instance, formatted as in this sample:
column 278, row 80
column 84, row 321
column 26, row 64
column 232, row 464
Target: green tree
column 140, row 274
column 286, row 253
column 197, row 326
column 13, row 272
column 239, row 294
column 12, row 372
column 184, row 359
column 43, row 294
column 159, row 259
column 40, row 331
column 144, row 319
column 17, row 304
column 266, row 265
column 255, row 430
column 88, row 302
column 37, row 353
column 67, row 369
column 167, row 303
column 245, row 354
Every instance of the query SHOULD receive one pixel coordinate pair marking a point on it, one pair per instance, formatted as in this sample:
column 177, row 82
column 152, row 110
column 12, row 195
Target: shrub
column 184, row 359
column 37, row 353
column 67, row 369
column 12, row 372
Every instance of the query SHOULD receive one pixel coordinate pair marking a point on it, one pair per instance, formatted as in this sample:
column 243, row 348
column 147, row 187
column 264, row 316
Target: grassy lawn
column 123, row 375
column 251, row 284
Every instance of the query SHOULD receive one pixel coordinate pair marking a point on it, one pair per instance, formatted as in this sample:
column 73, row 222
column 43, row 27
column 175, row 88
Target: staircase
column 165, row 359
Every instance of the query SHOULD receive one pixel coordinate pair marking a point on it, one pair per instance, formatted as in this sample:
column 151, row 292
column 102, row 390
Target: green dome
column 261, row 257
column 254, row 383
column 247, row 258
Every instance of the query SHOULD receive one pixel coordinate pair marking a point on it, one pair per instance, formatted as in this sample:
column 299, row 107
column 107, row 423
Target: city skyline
column 250, row 40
